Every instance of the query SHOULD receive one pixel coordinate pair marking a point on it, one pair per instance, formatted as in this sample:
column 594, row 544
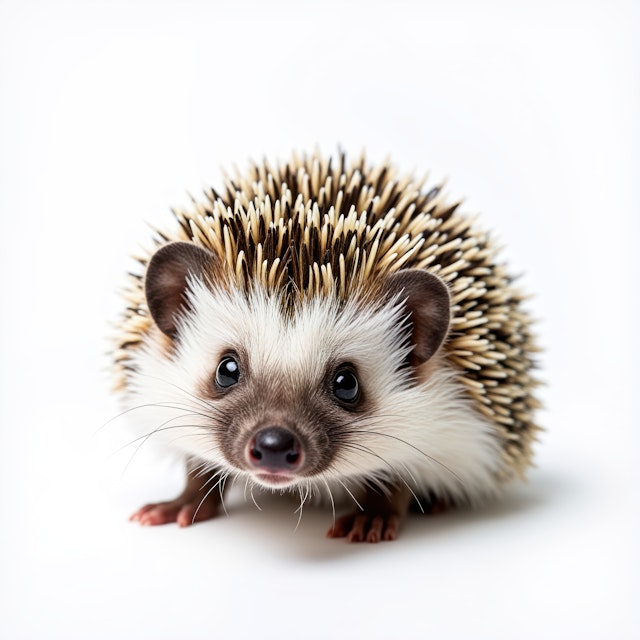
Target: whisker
column 253, row 497
column 212, row 477
column 146, row 437
column 333, row 504
column 351, row 494
column 299, row 509
column 415, row 497
column 160, row 429
column 365, row 449
column 305, row 485
column 200, row 401
column 206, row 468
column 206, row 495
column 148, row 405
column 376, row 485
column 408, row 444
column 221, row 484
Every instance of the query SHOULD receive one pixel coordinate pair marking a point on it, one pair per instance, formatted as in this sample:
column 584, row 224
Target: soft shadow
column 275, row 526
column 542, row 493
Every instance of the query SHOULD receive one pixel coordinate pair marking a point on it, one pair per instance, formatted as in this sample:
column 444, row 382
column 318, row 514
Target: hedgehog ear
column 428, row 305
column 166, row 281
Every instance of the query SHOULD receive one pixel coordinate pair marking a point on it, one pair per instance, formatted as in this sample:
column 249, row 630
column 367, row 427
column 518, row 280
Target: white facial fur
column 425, row 434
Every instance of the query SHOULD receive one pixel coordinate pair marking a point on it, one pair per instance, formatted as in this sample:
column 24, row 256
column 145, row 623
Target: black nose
column 275, row 448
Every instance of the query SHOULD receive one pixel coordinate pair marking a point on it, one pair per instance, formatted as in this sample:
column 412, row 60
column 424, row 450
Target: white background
column 110, row 112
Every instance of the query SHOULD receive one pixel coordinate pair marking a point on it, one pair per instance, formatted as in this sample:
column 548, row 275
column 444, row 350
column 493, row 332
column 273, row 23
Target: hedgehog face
column 283, row 392
column 286, row 390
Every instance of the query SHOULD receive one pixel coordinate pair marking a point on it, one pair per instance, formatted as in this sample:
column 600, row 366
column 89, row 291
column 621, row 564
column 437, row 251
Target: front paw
column 366, row 527
column 183, row 512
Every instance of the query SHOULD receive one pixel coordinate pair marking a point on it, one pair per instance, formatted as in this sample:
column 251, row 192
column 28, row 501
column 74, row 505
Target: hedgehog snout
column 275, row 453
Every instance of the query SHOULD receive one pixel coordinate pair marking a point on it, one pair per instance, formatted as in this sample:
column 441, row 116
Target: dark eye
column 227, row 373
column 345, row 386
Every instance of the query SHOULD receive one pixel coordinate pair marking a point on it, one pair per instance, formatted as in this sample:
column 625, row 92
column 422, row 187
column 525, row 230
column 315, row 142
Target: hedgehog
column 332, row 329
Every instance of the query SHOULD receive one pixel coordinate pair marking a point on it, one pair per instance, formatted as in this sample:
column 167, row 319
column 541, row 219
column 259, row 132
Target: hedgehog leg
column 380, row 519
column 199, row 501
